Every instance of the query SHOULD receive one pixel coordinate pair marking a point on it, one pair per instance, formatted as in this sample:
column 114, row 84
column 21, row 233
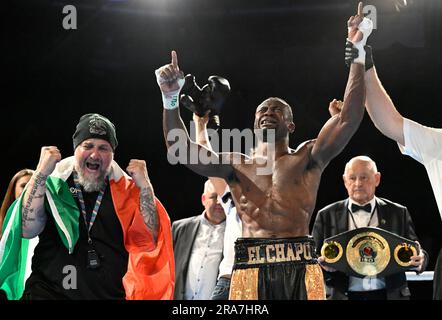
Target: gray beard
column 91, row 185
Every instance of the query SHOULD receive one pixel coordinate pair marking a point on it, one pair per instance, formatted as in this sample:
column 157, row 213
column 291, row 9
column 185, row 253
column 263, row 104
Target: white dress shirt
column 233, row 232
column 204, row 260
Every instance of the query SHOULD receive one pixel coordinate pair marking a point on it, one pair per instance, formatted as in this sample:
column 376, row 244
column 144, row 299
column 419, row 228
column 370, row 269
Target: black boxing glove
column 214, row 95
column 218, row 90
column 191, row 95
column 352, row 53
column 209, row 98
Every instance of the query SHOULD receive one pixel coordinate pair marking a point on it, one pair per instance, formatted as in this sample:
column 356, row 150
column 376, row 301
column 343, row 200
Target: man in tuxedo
column 363, row 209
column 198, row 247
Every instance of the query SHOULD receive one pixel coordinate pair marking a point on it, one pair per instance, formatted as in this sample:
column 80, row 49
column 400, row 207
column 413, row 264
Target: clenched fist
column 335, row 107
column 49, row 156
column 138, row 171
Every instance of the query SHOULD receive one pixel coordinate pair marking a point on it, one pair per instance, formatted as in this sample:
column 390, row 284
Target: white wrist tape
column 366, row 27
column 170, row 99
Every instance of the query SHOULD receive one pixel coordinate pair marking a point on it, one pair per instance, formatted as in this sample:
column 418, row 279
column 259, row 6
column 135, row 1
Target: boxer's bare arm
column 202, row 138
column 201, row 134
column 381, row 109
column 338, row 130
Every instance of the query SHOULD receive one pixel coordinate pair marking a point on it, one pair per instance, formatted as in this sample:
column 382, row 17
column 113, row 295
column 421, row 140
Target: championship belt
column 369, row 252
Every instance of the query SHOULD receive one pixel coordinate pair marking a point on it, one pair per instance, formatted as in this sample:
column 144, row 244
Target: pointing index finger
column 360, row 7
column 174, row 59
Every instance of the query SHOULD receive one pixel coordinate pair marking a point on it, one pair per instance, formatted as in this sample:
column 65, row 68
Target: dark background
column 289, row 49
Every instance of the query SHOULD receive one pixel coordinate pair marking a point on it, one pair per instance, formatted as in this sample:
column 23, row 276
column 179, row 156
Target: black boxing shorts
column 276, row 269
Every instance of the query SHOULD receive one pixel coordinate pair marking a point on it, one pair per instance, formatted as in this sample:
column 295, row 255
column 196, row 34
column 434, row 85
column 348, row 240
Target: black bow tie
column 355, row 207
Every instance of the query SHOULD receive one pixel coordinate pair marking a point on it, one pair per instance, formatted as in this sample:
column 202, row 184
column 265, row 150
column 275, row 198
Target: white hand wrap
column 170, row 99
column 366, row 27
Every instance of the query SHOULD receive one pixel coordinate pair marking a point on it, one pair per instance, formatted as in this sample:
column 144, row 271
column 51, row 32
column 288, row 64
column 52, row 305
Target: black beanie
column 94, row 125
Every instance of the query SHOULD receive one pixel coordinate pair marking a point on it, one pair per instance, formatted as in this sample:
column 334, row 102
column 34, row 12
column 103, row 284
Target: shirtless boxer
column 275, row 259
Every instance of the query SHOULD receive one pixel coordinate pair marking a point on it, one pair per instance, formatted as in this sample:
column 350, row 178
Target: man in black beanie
column 93, row 125
column 93, row 170
column 98, row 228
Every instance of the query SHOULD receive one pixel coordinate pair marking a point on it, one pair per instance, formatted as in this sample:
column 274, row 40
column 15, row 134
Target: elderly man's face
column 93, row 158
column 361, row 181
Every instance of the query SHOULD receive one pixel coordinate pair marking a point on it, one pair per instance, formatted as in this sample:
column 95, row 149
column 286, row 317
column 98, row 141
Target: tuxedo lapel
column 383, row 216
column 342, row 218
